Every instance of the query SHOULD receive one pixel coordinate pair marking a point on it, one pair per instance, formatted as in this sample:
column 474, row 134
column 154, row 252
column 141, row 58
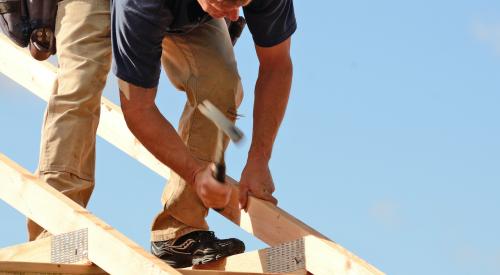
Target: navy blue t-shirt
column 139, row 26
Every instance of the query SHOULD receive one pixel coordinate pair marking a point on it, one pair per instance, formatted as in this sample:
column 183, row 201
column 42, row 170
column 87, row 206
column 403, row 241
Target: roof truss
column 267, row 222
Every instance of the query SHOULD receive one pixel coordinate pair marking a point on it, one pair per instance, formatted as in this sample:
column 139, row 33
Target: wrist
column 259, row 156
column 195, row 169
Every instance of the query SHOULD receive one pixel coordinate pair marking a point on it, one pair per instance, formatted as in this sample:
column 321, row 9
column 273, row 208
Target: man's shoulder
column 270, row 21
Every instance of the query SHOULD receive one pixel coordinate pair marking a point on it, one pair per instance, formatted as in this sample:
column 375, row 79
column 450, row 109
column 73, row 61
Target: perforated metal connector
column 69, row 247
column 286, row 257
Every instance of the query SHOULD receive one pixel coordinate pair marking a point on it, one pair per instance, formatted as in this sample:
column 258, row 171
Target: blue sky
column 390, row 146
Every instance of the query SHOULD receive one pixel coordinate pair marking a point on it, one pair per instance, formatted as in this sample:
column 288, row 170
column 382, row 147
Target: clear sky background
column 390, row 146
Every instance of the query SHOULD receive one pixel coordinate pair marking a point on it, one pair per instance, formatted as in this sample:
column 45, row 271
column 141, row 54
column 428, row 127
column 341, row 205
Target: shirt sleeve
column 270, row 21
column 137, row 34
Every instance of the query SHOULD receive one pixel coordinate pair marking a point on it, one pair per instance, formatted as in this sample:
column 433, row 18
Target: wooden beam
column 36, row 251
column 40, row 77
column 276, row 227
column 254, row 261
column 324, row 257
column 107, row 248
column 265, row 221
column 29, row 268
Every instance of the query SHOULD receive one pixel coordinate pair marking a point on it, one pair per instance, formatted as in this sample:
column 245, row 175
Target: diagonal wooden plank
column 36, row 251
column 40, row 78
column 266, row 221
column 107, row 248
column 324, row 257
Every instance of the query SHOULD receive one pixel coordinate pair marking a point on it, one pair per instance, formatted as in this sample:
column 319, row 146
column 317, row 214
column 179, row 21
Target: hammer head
column 221, row 121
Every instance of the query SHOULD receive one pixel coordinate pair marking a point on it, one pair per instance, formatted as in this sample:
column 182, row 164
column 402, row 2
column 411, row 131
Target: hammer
column 225, row 126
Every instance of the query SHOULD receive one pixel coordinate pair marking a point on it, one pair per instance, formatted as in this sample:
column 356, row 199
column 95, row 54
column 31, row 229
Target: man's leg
column 202, row 64
column 67, row 153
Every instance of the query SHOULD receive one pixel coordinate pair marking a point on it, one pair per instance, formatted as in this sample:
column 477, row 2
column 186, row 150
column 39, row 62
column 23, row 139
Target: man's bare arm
column 151, row 128
column 272, row 91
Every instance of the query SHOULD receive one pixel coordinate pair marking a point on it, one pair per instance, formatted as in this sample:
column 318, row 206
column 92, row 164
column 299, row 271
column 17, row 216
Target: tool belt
column 30, row 23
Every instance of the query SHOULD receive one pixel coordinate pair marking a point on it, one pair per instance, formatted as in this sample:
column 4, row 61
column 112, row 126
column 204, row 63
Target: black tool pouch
column 14, row 21
column 42, row 14
column 235, row 28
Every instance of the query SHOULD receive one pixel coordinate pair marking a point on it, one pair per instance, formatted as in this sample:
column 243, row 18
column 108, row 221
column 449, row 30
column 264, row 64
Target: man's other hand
column 256, row 180
column 223, row 8
column 212, row 193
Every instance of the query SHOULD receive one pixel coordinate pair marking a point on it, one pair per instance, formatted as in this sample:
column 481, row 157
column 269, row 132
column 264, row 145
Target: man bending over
column 191, row 40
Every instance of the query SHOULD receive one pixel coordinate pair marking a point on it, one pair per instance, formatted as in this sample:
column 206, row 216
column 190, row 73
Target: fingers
column 256, row 181
column 212, row 193
column 245, row 192
column 217, row 199
column 270, row 198
column 267, row 196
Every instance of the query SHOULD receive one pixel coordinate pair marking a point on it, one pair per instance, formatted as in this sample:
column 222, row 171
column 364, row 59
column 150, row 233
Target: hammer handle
column 220, row 176
column 220, row 172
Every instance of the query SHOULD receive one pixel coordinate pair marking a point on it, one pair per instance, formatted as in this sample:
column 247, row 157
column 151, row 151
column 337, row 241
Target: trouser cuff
column 168, row 234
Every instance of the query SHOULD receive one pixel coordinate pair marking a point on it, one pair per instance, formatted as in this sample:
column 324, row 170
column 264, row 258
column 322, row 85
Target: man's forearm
column 159, row 136
column 272, row 91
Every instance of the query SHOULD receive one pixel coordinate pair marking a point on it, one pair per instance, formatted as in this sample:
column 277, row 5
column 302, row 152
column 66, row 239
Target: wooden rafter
column 40, row 78
column 30, row 268
column 36, row 251
column 25, row 268
column 58, row 214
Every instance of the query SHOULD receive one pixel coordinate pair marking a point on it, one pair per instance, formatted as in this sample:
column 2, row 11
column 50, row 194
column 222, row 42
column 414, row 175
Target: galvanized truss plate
column 286, row 257
column 69, row 247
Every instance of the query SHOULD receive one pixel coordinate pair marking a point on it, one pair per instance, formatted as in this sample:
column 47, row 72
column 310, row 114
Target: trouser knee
column 72, row 186
column 227, row 93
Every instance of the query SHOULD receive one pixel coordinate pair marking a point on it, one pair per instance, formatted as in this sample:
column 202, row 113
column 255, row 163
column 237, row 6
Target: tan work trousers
column 202, row 64
column 67, row 149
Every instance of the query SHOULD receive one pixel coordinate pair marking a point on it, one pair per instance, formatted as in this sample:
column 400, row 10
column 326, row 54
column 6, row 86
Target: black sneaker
column 198, row 247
